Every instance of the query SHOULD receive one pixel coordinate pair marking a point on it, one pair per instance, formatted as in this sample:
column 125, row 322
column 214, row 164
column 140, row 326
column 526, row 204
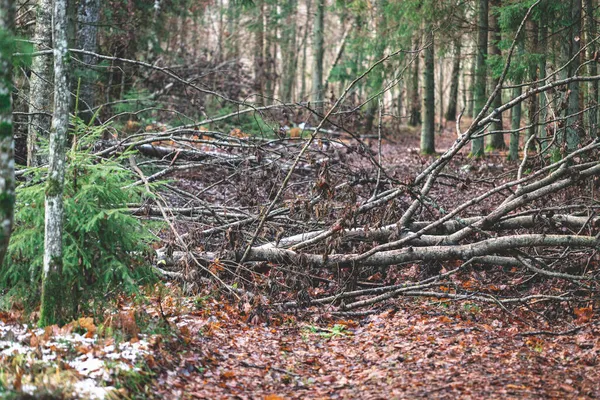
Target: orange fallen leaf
column 228, row 375
column 273, row 397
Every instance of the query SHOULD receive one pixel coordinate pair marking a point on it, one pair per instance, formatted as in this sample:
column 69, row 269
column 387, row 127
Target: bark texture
column 53, row 293
column 428, row 127
column 40, row 83
column 453, row 99
column 318, row 55
column 480, row 72
column 7, row 165
column 88, row 14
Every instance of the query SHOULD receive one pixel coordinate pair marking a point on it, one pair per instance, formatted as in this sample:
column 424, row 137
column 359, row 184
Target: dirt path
column 417, row 350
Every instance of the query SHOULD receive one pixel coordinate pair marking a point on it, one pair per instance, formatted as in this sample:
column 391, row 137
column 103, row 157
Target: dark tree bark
column 480, row 72
column 496, row 140
column 88, row 14
column 415, row 104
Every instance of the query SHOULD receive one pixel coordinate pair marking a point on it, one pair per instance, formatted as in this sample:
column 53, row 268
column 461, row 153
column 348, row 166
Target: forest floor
column 162, row 344
column 210, row 349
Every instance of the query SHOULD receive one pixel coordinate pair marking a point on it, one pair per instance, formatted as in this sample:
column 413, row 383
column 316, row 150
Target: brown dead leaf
column 34, row 341
column 227, row 375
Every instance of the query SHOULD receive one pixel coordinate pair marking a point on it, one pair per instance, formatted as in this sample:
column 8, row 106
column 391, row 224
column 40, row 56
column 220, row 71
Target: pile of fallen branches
column 328, row 218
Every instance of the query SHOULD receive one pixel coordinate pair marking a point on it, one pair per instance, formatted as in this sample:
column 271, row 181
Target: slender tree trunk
column 259, row 54
column 515, row 124
column 231, row 42
column 543, row 41
column 377, row 74
column 515, row 116
column 318, row 54
column 532, row 104
column 270, row 51
column 53, row 290
column 289, row 54
column 415, row 104
column 304, row 46
column 480, row 72
column 7, row 163
column 471, row 92
column 88, row 15
column 40, row 83
column 592, row 103
column 453, row 99
column 428, row 127
column 441, row 95
column 496, row 140
column 569, row 136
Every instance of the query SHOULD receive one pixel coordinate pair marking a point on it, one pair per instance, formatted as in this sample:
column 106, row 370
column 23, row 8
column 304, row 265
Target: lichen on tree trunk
column 53, row 293
column 40, row 83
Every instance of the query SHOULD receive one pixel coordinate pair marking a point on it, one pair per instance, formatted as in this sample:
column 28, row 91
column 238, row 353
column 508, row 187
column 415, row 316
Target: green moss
column 53, row 188
column 53, row 293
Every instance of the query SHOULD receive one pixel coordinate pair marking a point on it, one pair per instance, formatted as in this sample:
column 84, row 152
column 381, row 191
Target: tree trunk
column 496, row 140
column 441, row 94
column 377, row 74
column 40, row 83
column 471, row 92
column 415, row 104
column 231, row 42
column 259, row 54
column 53, row 290
column 428, row 127
column 7, row 164
column 533, row 76
column 453, row 98
column 569, row 136
column 592, row 103
column 289, row 54
column 270, row 51
column 480, row 72
column 88, row 15
column 543, row 42
column 515, row 112
column 304, row 46
column 318, row 54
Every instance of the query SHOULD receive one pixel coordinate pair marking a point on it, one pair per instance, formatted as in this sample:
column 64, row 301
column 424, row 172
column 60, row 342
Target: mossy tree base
column 53, row 296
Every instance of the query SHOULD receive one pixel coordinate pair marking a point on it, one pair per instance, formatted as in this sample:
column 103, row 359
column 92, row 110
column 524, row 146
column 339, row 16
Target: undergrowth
column 105, row 247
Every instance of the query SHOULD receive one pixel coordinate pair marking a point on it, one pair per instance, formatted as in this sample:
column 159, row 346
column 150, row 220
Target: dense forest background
column 218, row 186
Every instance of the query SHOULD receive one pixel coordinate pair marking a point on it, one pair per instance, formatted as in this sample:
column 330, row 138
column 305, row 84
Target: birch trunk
column 53, row 292
column 7, row 165
column 40, row 83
